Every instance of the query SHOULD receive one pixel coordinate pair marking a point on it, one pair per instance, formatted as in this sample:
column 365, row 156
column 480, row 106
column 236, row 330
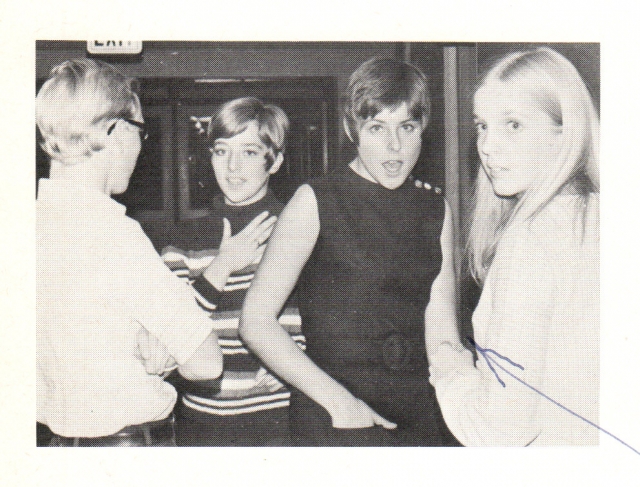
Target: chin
column 505, row 192
column 120, row 190
column 392, row 184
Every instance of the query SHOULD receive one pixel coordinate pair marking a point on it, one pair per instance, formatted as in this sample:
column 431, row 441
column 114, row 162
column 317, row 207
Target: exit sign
column 114, row 47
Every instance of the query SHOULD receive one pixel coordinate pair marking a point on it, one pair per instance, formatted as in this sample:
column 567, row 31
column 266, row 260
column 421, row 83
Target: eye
column 375, row 128
column 409, row 127
column 250, row 153
column 513, row 124
column 481, row 127
column 219, row 151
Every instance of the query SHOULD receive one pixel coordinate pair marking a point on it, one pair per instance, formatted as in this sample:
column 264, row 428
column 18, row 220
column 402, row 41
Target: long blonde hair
column 567, row 100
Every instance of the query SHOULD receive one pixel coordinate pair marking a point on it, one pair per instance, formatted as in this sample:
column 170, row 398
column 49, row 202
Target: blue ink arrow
column 490, row 360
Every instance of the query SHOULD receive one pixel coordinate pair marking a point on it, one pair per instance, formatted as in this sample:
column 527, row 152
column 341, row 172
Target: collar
column 72, row 194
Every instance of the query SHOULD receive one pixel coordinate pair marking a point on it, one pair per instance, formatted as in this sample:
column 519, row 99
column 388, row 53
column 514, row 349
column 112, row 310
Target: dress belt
column 393, row 351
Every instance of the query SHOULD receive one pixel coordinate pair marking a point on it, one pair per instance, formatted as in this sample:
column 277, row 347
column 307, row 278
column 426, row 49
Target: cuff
column 449, row 360
column 206, row 293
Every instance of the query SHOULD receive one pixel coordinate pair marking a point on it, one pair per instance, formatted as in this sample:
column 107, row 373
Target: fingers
column 143, row 344
column 263, row 231
column 256, row 231
column 380, row 421
column 253, row 224
column 260, row 250
column 151, row 352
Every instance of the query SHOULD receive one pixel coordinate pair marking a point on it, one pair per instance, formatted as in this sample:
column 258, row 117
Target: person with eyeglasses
column 111, row 318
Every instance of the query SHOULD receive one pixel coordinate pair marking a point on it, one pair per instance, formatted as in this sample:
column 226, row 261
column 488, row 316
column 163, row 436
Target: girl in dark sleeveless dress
column 372, row 255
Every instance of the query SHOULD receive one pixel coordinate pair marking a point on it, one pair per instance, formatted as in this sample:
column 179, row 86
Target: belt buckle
column 396, row 351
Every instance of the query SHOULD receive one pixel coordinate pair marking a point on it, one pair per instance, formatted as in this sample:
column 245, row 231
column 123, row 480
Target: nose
column 488, row 142
column 233, row 163
column 394, row 143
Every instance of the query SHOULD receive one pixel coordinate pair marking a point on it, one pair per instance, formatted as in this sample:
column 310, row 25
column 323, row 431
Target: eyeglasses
column 141, row 125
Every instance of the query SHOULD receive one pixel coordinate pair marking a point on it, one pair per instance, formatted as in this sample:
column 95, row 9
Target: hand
column 352, row 412
column 242, row 249
column 153, row 353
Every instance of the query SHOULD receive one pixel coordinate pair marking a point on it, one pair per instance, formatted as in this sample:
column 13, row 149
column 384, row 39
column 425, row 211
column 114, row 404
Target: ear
column 276, row 164
column 347, row 130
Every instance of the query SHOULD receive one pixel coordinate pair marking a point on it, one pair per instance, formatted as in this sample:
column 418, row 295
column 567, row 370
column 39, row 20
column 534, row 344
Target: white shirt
column 98, row 279
column 540, row 309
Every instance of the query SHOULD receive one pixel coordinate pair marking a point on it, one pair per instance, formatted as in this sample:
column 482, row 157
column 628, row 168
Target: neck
column 262, row 192
column 84, row 173
column 358, row 167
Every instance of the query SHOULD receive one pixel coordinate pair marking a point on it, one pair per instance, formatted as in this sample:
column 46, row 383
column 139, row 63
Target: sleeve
column 495, row 403
column 164, row 305
column 189, row 266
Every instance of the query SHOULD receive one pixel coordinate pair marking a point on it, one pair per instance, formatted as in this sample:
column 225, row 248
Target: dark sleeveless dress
column 362, row 297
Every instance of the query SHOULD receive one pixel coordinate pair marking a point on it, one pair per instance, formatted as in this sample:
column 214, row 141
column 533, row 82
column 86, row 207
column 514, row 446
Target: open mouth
column 496, row 172
column 235, row 181
column 392, row 167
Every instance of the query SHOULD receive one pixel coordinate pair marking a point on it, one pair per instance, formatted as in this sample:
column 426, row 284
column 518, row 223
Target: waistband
column 152, row 433
column 393, row 351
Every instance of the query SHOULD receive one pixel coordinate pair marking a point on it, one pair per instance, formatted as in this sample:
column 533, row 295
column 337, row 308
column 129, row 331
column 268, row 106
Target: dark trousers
column 154, row 433
column 261, row 428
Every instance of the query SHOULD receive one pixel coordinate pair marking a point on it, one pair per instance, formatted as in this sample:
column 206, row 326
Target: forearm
column 218, row 272
column 477, row 409
column 206, row 361
column 273, row 345
column 441, row 326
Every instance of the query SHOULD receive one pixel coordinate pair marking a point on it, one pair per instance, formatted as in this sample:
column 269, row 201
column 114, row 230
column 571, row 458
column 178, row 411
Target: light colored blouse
column 540, row 309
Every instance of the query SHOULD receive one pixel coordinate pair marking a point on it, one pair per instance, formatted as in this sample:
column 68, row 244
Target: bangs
column 219, row 130
column 368, row 109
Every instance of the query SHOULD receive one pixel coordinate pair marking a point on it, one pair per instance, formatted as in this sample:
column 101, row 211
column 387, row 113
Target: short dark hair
column 233, row 117
column 385, row 83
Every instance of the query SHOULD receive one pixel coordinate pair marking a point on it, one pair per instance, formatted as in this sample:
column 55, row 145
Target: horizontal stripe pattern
column 246, row 386
column 193, row 403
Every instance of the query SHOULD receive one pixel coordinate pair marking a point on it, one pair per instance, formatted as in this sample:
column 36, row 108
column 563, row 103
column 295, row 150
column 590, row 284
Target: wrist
column 334, row 398
column 218, row 272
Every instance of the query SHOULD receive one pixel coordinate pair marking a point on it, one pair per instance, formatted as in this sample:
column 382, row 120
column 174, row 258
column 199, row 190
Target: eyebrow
column 509, row 113
column 247, row 144
column 415, row 120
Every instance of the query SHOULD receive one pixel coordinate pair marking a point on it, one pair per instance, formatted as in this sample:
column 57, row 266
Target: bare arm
column 440, row 315
column 206, row 361
column 289, row 248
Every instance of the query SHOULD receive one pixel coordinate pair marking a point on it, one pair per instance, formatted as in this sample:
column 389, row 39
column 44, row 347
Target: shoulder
column 302, row 207
column 429, row 188
column 566, row 219
column 429, row 197
column 303, row 198
column 425, row 191
column 552, row 238
column 326, row 181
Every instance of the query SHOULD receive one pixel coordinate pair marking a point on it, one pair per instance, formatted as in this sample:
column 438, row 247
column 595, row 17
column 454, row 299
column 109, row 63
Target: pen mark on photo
column 485, row 354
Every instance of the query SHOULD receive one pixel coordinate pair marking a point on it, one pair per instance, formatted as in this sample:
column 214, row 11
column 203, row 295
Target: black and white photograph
column 248, row 251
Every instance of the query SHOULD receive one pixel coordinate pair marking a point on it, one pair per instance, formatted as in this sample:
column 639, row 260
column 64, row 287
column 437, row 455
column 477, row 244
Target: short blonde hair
column 75, row 105
column 561, row 92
